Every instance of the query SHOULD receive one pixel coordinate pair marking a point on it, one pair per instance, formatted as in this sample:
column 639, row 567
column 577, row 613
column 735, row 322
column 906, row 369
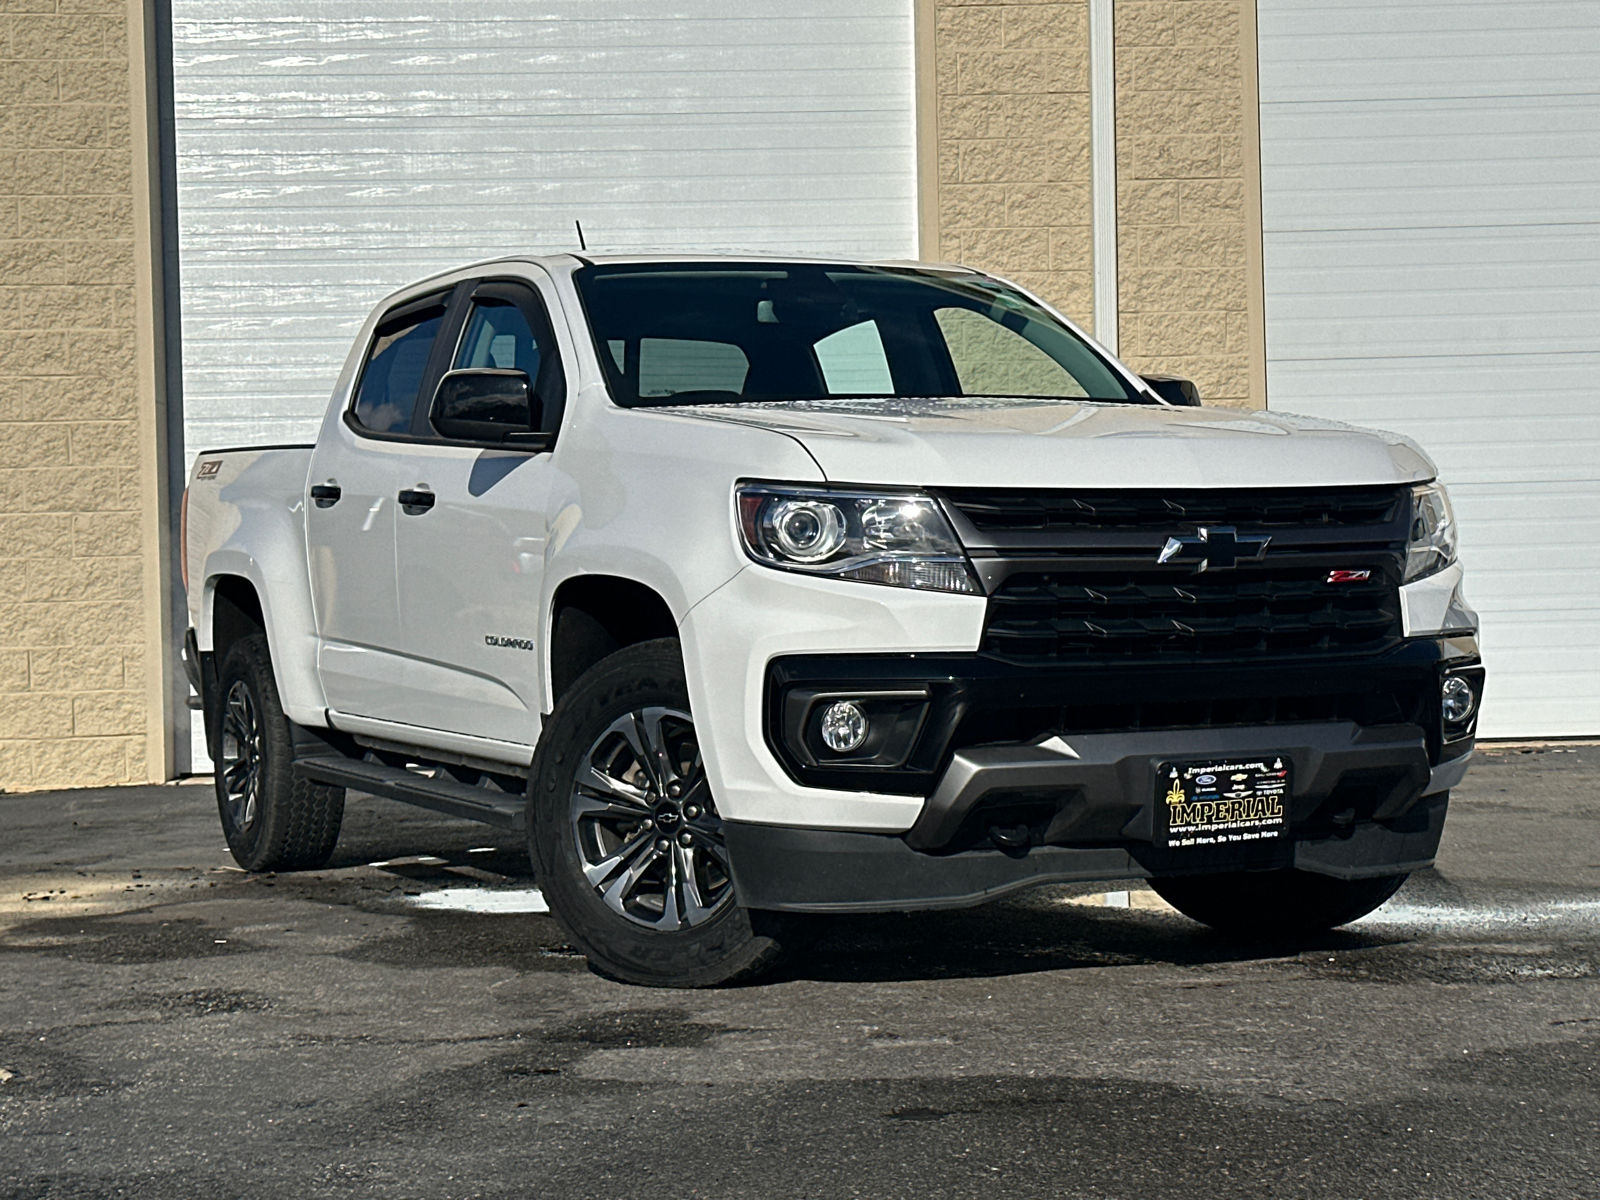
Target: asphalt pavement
column 400, row 1024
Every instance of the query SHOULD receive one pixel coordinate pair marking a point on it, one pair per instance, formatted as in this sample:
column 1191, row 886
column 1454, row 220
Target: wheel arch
column 236, row 602
column 592, row 616
column 235, row 608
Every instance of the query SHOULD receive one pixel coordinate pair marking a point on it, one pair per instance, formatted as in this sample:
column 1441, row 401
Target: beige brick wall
column 1011, row 90
column 74, row 486
column 1184, row 216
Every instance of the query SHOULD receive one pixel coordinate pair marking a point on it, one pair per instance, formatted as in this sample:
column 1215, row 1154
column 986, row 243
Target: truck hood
column 1052, row 443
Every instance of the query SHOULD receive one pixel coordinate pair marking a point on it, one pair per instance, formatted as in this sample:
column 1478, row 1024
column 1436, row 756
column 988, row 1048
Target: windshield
column 729, row 333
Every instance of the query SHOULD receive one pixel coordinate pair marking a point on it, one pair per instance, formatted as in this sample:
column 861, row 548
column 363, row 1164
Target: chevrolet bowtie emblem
column 1217, row 548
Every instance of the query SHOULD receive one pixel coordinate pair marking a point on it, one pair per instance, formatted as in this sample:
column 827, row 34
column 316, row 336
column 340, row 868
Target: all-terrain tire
column 1275, row 903
column 727, row 942
column 272, row 820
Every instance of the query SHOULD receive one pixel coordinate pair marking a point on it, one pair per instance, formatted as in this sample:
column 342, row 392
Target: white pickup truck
column 755, row 589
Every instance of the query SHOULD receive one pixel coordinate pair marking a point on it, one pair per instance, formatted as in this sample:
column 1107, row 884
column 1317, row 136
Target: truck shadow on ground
column 1035, row 934
column 1038, row 931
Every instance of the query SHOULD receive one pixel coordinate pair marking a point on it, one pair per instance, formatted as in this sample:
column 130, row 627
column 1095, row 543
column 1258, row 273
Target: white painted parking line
column 1142, row 899
column 482, row 900
column 1470, row 916
column 411, row 860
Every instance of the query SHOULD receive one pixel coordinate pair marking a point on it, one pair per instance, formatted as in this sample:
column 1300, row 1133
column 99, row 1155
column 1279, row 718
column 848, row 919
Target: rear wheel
column 1275, row 903
column 273, row 821
column 626, row 838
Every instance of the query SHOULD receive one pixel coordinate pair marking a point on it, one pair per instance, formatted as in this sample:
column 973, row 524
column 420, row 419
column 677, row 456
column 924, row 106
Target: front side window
column 392, row 377
column 497, row 335
column 506, row 329
column 727, row 333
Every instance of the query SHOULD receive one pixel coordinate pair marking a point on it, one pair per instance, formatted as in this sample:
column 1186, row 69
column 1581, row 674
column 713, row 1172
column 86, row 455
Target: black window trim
column 552, row 371
column 457, row 301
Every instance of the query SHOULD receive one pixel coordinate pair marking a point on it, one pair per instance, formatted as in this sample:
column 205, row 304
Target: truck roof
column 567, row 261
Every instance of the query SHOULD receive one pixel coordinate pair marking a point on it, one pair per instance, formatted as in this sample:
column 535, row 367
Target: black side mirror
column 1174, row 390
column 487, row 404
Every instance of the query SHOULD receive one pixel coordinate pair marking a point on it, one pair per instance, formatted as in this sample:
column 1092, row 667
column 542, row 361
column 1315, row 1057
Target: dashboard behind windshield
column 730, row 333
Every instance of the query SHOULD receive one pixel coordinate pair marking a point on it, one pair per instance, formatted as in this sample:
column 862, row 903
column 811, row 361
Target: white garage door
column 329, row 152
column 1431, row 187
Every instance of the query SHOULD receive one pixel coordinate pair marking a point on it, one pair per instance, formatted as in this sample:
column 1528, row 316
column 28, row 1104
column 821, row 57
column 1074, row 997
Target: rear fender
column 252, row 526
column 290, row 629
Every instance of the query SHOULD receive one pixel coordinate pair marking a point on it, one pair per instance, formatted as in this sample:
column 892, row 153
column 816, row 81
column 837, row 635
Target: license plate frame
column 1238, row 804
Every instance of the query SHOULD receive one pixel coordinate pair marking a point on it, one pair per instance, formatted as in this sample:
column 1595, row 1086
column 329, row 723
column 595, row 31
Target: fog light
column 1456, row 701
column 844, row 726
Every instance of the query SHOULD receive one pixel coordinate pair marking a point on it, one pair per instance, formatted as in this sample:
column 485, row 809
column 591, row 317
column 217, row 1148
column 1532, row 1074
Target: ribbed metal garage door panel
column 1431, row 192
column 1366, row 49
column 328, row 154
column 1435, row 293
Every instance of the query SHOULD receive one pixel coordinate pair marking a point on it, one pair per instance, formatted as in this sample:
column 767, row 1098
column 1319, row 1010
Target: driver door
column 471, row 564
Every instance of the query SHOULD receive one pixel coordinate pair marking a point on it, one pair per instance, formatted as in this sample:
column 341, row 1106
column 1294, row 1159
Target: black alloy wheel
column 646, row 827
column 239, row 758
column 273, row 821
column 625, row 836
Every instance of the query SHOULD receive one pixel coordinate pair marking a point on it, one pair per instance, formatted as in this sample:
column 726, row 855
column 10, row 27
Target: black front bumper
column 933, row 706
column 1034, row 776
column 823, row 871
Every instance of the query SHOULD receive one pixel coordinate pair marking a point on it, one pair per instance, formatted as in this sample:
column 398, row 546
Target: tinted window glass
column 498, row 336
column 992, row 360
column 668, row 366
column 853, row 362
column 707, row 333
column 393, row 375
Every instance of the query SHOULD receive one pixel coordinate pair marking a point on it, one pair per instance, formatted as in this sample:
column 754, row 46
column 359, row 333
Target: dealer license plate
column 1238, row 803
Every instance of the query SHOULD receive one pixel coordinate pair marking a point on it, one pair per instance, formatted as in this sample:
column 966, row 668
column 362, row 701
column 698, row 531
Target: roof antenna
column 582, row 245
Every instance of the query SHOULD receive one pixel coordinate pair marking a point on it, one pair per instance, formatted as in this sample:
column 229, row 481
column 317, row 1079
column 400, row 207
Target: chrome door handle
column 415, row 502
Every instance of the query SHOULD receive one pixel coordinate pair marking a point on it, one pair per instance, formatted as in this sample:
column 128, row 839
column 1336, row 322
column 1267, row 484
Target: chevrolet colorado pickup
column 756, row 589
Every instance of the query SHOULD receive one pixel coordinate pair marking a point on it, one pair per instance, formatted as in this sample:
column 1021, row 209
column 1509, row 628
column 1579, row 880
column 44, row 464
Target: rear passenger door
column 350, row 513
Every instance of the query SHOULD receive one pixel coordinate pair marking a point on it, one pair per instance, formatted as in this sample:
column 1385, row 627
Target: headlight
column 900, row 539
column 1432, row 543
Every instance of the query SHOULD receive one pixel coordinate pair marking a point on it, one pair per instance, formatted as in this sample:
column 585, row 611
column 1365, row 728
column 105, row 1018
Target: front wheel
column 1275, row 903
column 626, row 838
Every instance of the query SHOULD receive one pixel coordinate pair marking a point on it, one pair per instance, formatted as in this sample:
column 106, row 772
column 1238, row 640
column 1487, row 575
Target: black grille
column 1077, row 576
column 1000, row 510
column 1388, row 702
column 1067, row 615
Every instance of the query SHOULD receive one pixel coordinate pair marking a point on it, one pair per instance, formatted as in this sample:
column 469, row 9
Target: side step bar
column 444, row 795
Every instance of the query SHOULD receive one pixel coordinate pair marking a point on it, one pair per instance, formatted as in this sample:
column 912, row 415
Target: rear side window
column 395, row 366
